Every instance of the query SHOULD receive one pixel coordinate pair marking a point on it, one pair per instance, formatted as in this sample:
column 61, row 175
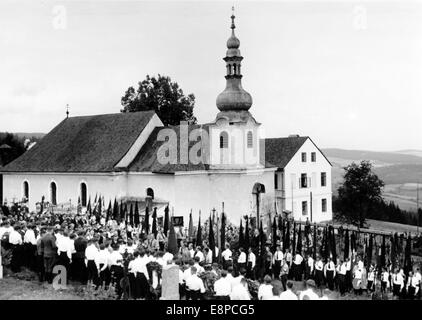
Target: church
column 226, row 163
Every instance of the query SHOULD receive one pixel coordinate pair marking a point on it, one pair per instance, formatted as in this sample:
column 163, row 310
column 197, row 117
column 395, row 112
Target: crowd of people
column 103, row 253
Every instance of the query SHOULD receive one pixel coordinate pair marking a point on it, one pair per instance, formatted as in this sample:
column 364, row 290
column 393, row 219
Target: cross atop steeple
column 67, row 110
column 232, row 17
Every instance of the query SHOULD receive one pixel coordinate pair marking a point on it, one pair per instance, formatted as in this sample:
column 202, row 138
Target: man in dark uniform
column 78, row 258
column 49, row 251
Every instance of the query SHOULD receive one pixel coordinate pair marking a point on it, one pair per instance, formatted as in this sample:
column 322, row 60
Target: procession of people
column 104, row 252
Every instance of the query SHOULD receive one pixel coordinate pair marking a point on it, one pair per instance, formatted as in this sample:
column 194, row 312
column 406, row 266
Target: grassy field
column 391, row 226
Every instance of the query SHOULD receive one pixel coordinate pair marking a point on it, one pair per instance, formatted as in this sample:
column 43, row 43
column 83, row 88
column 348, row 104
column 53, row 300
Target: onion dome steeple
column 234, row 97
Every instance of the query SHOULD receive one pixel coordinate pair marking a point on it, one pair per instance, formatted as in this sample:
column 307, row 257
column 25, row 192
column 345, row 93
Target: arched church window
column 53, row 193
column 26, row 189
column 250, row 139
column 150, row 193
column 224, row 140
column 83, row 194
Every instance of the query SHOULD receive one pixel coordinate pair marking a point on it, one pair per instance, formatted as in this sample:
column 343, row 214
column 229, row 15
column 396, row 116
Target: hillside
column 400, row 170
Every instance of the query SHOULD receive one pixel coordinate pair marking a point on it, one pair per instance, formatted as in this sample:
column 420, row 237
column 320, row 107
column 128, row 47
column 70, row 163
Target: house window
column 83, row 194
column 313, row 156
column 250, row 139
column 303, row 156
column 276, row 181
column 304, row 208
column 150, row 193
column 323, row 179
column 324, row 205
column 53, row 193
column 224, row 140
column 26, row 190
column 303, row 180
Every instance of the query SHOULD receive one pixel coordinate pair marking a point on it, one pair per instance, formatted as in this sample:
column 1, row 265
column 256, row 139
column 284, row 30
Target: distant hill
column 386, row 158
column 400, row 171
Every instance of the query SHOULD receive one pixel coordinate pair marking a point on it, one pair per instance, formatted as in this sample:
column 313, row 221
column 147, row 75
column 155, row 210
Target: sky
column 347, row 74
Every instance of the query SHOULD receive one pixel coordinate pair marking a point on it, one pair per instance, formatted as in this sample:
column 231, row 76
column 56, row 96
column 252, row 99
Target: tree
column 163, row 96
column 360, row 191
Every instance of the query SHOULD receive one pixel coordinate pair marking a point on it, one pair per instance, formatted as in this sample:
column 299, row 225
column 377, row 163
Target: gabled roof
column 83, row 144
column 279, row 151
column 148, row 160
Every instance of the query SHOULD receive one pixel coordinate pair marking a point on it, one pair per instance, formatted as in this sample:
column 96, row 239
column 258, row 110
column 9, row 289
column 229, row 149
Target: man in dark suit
column 78, row 258
column 49, row 252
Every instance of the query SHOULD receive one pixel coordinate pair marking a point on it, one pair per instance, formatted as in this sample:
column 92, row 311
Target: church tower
column 234, row 133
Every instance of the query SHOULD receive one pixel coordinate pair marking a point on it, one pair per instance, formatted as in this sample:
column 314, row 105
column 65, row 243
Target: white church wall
column 68, row 186
column 292, row 174
column 207, row 191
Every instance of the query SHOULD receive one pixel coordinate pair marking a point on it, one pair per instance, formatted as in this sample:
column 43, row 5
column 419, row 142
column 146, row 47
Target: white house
column 132, row 156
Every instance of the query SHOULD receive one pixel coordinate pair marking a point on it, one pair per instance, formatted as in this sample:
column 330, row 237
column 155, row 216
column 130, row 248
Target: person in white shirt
column 297, row 267
column 168, row 256
column 330, row 272
column 199, row 254
column 64, row 250
column 371, row 278
column 194, row 285
column 91, row 253
column 222, row 287
column 191, row 250
column 251, row 264
column 265, row 290
column 15, row 240
column 277, row 262
column 199, row 268
column 139, row 275
column 309, row 293
column 208, row 256
column 241, row 260
column 385, row 280
column 342, row 276
column 30, row 246
column 227, row 257
column 319, row 272
column 398, row 283
column 240, row 291
column 288, row 294
column 412, row 286
column 310, row 266
column 101, row 261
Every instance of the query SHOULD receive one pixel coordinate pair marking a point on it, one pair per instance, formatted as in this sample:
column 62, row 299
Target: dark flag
column 172, row 241
column 199, row 232
column 95, row 200
column 327, row 243
column 88, row 207
column 299, row 240
column 370, row 248
column 121, row 212
column 287, row 235
column 247, row 240
column 262, row 242
column 241, row 236
column 211, row 239
column 333, row 245
column 383, row 252
column 136, row 217
column 393, row 250
column 131, row 220
column 109, row 213
column 407, row 255
column 116, row 211
column 99, row 211
column 274, row 237
column 353, row 241
column 166, row 220
column 190, row 230
column 222, row 233
column 315, row 242
column 154, row 222
column 294, row 239
column 346, row 244
column 146, row 222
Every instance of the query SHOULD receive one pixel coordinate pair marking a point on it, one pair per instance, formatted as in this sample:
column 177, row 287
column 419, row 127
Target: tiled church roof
column 147, row 159
column 83, row 144
column 279, row 151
